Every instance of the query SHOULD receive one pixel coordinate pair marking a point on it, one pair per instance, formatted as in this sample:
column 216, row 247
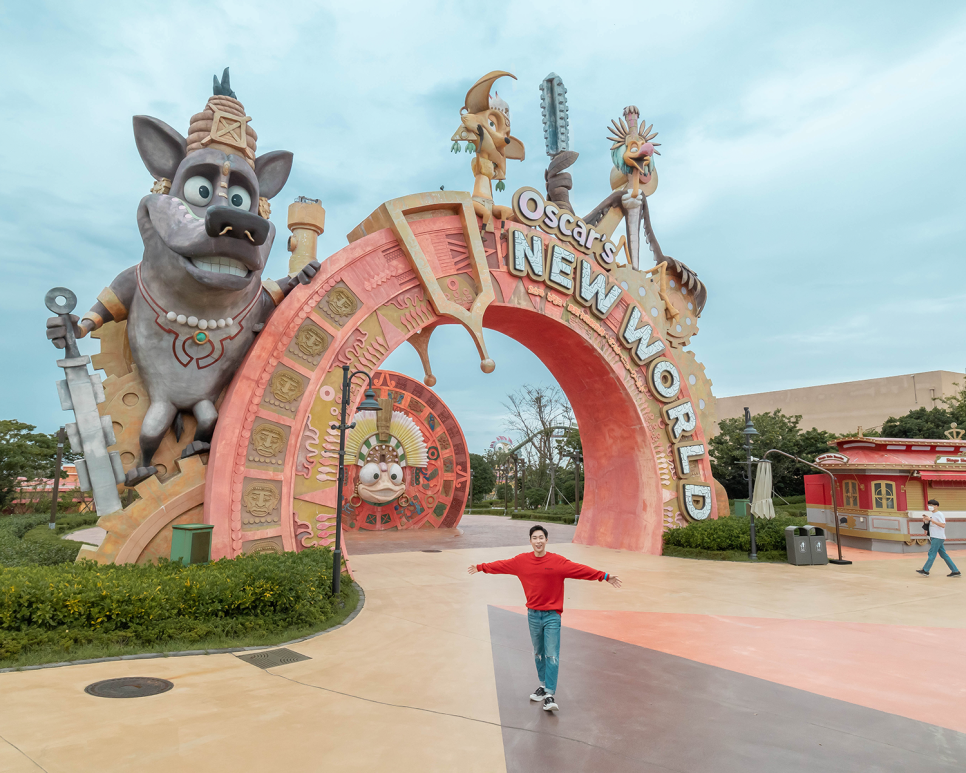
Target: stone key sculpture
column 81, row 392
column 195, row 302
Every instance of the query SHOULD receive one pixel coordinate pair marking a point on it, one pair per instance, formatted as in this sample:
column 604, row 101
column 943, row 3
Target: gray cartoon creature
column 196, row 300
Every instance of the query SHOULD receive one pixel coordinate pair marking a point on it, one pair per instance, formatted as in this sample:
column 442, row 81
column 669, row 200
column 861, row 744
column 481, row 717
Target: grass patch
column 83, row 610
column 771, row 556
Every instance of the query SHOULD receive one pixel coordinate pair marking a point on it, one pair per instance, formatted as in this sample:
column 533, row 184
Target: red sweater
column 542, row 578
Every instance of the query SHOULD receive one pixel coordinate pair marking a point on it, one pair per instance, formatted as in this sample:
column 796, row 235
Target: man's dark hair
column 539, row 528
column 933, row 502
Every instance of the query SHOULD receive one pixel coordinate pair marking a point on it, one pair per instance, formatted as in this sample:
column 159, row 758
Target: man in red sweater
column 542, row 575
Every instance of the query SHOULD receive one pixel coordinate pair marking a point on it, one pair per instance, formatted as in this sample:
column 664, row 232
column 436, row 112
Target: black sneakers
column 549, row 704
column 955, row 574
column 539, row 694
column 920, row 571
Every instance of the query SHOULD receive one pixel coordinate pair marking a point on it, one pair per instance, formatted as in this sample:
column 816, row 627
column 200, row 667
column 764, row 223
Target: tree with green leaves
column 918, row 423
column 25, row 456
column 483, row 476
column 776, row 430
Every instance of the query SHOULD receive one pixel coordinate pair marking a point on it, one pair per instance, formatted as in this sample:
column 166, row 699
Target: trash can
column 741, row 507
column 798, row 545
column 816, row 542
column 191, row 543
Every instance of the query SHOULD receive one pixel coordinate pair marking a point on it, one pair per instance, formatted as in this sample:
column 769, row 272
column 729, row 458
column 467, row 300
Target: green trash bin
column 816, row 541
column 191, row 543
column 741, row 507
column 798, row 544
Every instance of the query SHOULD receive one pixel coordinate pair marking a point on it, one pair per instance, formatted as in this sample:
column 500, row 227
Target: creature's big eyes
column 492, row 125
column 239, row 198
column 395, row 473
column 198, row 190
column 633, row 148
column 369, row 474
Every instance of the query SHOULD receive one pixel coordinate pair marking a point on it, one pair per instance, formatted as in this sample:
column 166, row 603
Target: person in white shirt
column 937, row 536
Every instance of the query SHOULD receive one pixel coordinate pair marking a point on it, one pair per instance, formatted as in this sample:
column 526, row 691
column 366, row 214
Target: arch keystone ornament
column 608, row 333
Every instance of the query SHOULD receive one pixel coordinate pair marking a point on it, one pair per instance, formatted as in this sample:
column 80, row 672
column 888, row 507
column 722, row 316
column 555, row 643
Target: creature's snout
column 236, row 223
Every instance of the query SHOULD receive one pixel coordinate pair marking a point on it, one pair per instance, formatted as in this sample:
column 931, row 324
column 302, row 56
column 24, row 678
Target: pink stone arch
column 628, row 458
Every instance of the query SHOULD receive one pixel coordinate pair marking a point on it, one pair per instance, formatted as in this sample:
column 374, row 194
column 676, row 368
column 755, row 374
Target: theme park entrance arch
column 639, row 398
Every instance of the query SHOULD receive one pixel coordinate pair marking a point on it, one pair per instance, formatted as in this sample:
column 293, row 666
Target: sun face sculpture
column 383, row 444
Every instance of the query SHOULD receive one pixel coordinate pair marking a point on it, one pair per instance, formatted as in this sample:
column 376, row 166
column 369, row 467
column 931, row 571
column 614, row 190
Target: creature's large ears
column 162, row 149
column 272, row 170
column 478, row 97
column 515, row 150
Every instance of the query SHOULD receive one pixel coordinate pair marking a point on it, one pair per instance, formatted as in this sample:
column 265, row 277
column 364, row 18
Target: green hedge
column 540, row 515
column 733, row 533
column 25, row 540
column 61, row 607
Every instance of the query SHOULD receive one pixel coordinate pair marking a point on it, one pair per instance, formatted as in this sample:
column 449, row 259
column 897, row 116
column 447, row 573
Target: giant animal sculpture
column 196, row 301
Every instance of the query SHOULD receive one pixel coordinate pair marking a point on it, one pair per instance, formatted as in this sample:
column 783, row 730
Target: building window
column 883, row 495
column 850, row 493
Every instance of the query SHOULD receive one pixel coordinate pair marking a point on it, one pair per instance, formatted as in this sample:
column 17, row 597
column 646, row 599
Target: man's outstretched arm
column 575, row 571
column 509, row 566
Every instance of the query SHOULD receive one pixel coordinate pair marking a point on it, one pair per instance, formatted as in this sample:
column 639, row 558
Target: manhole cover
column 129, row 687
column 272, row 658
column 432, row 551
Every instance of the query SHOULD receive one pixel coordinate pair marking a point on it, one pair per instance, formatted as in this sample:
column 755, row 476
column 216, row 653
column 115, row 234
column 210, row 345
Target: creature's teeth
column 221, row 265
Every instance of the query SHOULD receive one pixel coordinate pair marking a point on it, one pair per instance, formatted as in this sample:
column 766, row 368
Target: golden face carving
column 267, row 440
column 341, row 303
column 260, row 499
column 286, row 386
column 311, row 341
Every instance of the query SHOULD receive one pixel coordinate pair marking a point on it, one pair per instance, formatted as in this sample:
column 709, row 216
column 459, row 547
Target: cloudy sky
column 811, row 173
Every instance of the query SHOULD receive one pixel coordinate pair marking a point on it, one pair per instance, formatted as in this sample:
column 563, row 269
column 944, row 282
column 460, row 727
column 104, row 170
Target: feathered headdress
column 388, row 432
column 620, row 132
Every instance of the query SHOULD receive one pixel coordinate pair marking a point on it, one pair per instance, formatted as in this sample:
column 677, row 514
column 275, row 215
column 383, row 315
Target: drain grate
column 432, row 551
column 129, row 687
column 272, row 658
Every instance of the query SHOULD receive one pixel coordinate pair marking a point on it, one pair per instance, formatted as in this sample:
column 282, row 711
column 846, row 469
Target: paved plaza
column 781, row 668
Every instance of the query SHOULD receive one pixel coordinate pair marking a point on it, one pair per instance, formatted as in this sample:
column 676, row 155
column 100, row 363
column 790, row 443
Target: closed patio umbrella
column 761, row 504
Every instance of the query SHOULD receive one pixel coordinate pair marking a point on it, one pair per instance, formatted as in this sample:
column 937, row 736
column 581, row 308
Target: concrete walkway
column 694, row 666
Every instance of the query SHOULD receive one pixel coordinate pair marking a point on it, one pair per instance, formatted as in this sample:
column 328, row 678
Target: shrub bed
column 25, row 540
column 540, row 515
column 770, row 556
column 733, row 533
column 58, row 609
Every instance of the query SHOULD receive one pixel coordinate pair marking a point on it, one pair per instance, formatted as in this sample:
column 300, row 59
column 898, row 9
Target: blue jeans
column 545, row 635
column 936, row 547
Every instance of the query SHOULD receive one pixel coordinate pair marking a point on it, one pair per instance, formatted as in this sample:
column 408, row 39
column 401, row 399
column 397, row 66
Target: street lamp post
column 749, row 432
column 368, row 403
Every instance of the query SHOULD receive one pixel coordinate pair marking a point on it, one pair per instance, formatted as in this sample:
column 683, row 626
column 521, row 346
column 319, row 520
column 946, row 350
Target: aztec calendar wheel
column 435, row 490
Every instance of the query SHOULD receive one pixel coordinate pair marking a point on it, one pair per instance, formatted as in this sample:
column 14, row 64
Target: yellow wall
column 841, row 408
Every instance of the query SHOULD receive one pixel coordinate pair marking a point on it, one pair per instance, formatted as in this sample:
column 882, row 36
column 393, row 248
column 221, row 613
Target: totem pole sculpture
column 195, row 302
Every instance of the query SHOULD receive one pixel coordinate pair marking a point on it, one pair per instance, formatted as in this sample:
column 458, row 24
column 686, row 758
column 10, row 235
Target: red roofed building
column 881, row 489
